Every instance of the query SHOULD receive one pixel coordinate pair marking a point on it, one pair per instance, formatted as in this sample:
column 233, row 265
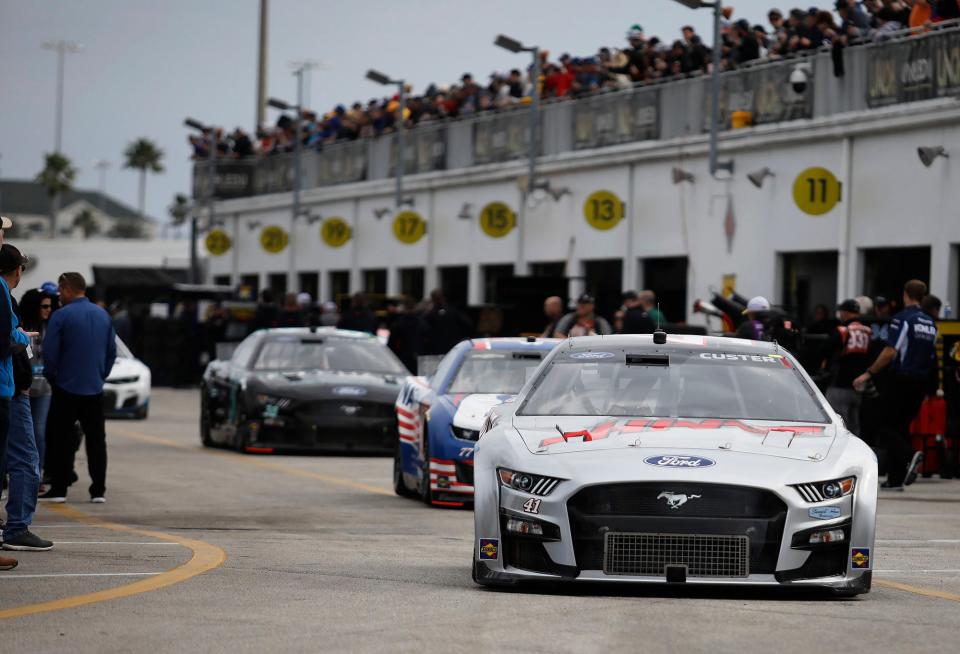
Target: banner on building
column 338, row 163
column 425, row 150
column 915, row 69
column 765, row 92
column 616, row 118
column 233, row 179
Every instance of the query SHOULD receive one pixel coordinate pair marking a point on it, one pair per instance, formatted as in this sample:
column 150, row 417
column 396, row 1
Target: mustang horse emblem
column 676, row 500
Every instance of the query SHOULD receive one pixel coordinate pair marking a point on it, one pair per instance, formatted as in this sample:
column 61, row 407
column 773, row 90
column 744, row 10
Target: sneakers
column 98, row 499
column 57, row 497
column 6, row 563
column 28, row 542
column 913, row 469
column 887, row 486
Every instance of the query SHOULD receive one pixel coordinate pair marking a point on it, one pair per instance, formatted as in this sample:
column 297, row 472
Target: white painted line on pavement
column 955, row 570
column 907, row 541
column 81, row 574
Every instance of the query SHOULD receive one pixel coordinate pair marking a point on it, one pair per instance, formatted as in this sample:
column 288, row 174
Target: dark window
column 453, row 281
column 411, row 283
column 221, row 280
column 308, row 282
column 548, row 269
column 604, row 281
column 277, row 282
column 375, row 282
column 809, row 279
column 250, row 286
column 667, row 277
column 886, row 270
column 495, row 280
column 339, row 285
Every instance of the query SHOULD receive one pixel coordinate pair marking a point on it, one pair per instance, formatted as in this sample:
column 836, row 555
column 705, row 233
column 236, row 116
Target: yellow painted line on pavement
column 260, row 463
column 917, row 590
column 205, row 557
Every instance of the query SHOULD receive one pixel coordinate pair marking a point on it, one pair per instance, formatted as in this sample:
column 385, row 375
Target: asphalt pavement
column 210, row 551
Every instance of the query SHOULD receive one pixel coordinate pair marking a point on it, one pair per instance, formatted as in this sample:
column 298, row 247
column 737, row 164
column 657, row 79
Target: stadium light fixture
column 211, row 134
column 386, row 80
column 714, row 81
column 679, row 175
column 928, row 155
column 279, row 104
column 756, row 177
column 507, row 43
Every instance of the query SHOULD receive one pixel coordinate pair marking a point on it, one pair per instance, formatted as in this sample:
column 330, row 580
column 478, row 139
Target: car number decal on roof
column 592, row 355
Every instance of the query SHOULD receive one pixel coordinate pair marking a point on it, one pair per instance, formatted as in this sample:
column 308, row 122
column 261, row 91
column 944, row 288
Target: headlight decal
column 526, row 482
column 823, row 491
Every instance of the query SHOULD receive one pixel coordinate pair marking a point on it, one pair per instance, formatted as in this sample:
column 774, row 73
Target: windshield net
column 326, row 354
column 742, row 386
column 494, row 372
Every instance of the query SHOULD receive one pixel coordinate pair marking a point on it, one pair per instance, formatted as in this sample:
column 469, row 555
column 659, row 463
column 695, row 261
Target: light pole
column 380, row 78
column 297, row 146
column 102, row 165
column 61, row 48
column 211, row 133
column 515, row 46
column 714, row 81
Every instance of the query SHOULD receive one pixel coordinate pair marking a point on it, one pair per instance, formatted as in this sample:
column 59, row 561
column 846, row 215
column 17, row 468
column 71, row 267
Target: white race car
column 678, row 459
column 126, row 393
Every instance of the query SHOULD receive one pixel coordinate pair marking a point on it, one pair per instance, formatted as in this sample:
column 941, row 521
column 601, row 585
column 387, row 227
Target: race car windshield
column 494, row 372
column 328, row 354
column 745, row 386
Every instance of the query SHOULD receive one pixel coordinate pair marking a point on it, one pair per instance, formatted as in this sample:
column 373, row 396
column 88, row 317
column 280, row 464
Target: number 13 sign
column 816, row 191
column 603, row 210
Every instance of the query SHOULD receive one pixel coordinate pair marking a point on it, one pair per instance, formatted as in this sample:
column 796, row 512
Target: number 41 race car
column 673, row 459
column 439, row 418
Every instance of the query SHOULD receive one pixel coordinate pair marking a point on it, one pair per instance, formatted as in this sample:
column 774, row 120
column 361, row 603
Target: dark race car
column 300, row 390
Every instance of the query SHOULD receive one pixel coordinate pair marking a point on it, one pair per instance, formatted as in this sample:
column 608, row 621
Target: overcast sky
column 147, row 64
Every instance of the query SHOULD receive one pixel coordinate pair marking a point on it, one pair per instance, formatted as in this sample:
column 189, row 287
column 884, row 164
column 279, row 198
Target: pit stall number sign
column 274, row 239
column 816, row 191
column 335, row 232
column 409, row 227
column 603, row 210
column 497, row 220
column 217, row 242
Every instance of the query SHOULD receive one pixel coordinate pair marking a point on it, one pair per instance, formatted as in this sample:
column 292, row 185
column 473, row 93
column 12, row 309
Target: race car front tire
column 399, row 486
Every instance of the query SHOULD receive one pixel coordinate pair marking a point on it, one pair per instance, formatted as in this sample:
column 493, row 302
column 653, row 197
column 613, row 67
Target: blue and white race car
column 439, row 417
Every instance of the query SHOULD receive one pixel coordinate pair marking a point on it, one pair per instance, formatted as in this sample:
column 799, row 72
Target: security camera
column 799, row 77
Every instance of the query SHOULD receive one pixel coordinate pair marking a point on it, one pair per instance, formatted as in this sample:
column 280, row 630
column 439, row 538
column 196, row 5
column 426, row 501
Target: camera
column 799, row 77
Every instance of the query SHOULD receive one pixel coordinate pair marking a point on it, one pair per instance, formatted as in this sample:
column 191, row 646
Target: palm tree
column 86, row 223
column 145, row 156
column 56, row 178
column 179, row 210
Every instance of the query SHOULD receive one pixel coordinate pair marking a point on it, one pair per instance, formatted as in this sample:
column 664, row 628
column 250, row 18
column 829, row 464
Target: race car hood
column 473, row 409
column 317, row 384
column 788, row 440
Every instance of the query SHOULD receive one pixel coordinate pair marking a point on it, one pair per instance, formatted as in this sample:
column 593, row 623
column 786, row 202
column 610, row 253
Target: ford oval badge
column 678, row 461
column 351, row 391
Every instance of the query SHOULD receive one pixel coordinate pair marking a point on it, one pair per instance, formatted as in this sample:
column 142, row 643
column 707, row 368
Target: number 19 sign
column 816, row 191
column 603, row 210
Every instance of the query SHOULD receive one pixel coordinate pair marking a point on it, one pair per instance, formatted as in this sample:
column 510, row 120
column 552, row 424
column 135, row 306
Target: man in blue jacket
column 78, row 353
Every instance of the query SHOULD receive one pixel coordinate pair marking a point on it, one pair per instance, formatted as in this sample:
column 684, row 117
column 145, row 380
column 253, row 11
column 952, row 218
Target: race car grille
column 651, row 554
column 318, row 410
column 810, row 493
column 677, row 509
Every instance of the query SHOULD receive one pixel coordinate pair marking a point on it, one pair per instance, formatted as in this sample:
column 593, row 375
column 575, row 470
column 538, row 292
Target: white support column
column 475, row 286
column 431, row 279
column 235, row 252
column 355, row 280
column 630, row 278
column 847, row 282
column 393, row 281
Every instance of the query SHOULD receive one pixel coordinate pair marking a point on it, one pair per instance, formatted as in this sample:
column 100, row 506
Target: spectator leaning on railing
column 641, row 60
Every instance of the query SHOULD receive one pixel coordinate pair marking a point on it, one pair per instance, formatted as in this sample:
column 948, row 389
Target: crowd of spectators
column 642, row 60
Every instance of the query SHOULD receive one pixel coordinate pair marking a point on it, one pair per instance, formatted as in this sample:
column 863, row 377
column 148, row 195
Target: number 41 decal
column 532, row 506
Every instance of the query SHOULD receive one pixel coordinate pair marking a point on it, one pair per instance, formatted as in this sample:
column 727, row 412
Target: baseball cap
column 5, row 223
column 630, row 295
column 880, row 301
column 50, row 288
column 850, row 305
column 758, row 303
column 586, row 298
column 10, row 258
column 635, row 32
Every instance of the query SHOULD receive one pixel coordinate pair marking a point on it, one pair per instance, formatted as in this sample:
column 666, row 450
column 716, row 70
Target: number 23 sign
column 603, row 210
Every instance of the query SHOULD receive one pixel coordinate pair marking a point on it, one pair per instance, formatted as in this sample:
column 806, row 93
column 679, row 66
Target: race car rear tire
column 400, row 486
column 426, row 494
column 205, row 438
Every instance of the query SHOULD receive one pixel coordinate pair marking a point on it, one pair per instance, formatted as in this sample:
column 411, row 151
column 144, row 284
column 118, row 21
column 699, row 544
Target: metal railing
column 891, row 68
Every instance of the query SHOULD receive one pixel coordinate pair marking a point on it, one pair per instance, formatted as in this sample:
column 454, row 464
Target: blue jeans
column 23, row 466
column 40, row 406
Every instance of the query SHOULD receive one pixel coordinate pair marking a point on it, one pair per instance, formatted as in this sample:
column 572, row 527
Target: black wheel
column 205, row 420
column 142, row 412
column 239, row 434
column 399, row 486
